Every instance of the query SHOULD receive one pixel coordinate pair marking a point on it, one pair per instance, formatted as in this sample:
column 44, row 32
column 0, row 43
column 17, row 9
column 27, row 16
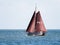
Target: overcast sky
column 16, row 14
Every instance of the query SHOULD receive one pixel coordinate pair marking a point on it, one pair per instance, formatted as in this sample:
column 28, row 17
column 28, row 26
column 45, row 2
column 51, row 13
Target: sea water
column 19, row 37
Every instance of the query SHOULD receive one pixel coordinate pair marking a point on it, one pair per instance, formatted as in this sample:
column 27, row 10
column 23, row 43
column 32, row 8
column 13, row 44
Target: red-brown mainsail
column 31, row 26
column 39, row 25
column 36, row 25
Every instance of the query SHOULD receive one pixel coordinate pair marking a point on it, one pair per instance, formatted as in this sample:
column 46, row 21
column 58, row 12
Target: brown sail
column 31, row 26
column 39, row 25
column 36, row 25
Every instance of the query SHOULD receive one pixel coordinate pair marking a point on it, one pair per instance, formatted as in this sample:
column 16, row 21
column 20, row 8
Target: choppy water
column 19, row 37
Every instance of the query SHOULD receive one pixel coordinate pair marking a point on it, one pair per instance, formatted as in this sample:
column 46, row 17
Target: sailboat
column 36, row 25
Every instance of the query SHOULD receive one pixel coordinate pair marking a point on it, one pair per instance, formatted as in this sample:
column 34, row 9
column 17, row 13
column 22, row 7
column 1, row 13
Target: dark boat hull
column 36, row 34
column 30, row 34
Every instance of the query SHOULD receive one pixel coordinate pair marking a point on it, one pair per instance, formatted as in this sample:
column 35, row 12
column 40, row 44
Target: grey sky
column 16, row 14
